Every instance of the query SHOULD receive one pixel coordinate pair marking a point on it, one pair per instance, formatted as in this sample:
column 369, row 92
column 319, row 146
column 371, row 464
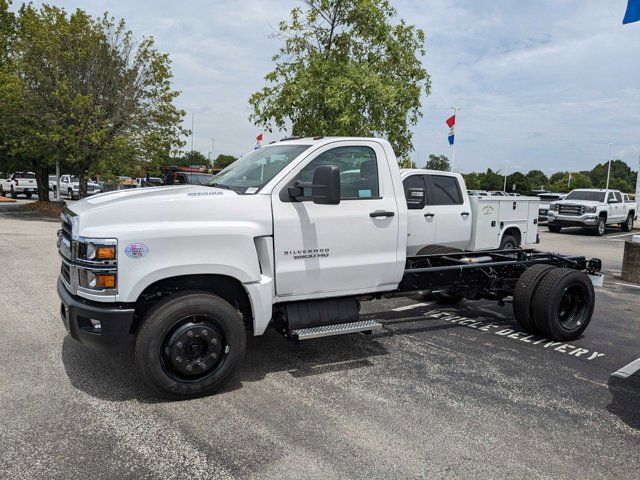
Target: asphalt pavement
column 440, row 392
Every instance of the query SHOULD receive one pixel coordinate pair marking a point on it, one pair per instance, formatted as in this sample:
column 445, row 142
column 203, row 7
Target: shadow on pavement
column 113, row 378
column 625, row 403
column 15, row 212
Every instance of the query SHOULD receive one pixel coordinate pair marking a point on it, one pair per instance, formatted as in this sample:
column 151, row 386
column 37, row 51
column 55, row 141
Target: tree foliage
column 82, row 91
column 438, row 162
column 345, row 68
column 224, row 160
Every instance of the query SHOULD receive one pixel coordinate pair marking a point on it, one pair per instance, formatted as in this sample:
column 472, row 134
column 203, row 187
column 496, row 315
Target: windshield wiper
column 219, row 185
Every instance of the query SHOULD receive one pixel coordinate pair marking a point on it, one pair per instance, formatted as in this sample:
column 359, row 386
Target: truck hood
column 587, row 203
column 103, row 215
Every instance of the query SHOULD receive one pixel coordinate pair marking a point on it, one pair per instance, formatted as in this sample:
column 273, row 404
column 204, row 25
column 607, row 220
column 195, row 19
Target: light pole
column 453, row 145
column 506, row 168
column 609, row 169
column 192, row 131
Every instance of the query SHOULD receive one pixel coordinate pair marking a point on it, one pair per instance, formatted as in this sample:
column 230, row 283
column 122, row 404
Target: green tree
column 620, row 172
column 438, row 162
column 537, row 180
column 517, row 182
column 473, row 180
column 578, row 180
column 492, row 180
column 193, row 158
column 224, row 160
column 87, row 94
column 345, row 68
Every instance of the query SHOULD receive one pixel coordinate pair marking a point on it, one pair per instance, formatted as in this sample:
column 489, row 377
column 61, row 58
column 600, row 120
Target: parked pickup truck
column 594, row 209
column 545, row 201
column 70, row 186
column 19, row 183
column 293, row 235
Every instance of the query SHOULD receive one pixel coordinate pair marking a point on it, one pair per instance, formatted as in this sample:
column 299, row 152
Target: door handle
column 381, row 213
column 429, row 215
column 465, row 214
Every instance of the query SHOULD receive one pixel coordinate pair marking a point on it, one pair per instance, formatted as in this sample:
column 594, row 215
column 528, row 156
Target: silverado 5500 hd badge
column 311, row 253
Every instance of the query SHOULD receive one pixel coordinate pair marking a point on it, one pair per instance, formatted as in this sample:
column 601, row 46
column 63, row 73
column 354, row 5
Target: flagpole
column 609, row 170
column 453, row 145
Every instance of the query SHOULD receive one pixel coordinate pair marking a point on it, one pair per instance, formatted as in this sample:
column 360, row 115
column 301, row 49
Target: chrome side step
column 337, row 329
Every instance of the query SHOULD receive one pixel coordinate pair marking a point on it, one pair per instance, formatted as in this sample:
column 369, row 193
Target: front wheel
column 554, row 228
column 601, row 228
column 627, row 225
column 188, row 344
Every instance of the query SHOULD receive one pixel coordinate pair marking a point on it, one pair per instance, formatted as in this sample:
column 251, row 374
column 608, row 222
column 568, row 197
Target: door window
column 618, row 197
column 358, row 171
column 414, row 182
column 612, row 198
column 444, row 190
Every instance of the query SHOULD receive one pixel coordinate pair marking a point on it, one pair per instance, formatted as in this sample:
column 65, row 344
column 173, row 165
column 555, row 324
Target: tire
column 199, row 319
column 508, row 242
column 563, row 304
column 28, row 195
column 444, row 297
column 627, row 225
column 2, row 192
column 601, row 228
column 554, row 228
column 524, row 293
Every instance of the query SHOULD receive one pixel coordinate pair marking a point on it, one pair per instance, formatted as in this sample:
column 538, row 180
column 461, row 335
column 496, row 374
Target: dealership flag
column 259, row 138
column 633, row 12
column 451, row 123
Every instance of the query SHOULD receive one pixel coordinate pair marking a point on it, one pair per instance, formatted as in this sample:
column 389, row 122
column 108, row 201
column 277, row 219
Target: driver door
column 347, row 248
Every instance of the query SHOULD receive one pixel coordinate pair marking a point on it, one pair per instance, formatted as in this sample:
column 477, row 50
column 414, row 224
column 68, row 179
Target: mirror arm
column 297, row 190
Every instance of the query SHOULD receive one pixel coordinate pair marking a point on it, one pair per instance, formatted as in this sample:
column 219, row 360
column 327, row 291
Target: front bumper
column 114, row 334
column 586, row 220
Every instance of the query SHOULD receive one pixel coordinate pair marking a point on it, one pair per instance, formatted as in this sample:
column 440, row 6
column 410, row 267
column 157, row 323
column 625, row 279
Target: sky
column 543, row 84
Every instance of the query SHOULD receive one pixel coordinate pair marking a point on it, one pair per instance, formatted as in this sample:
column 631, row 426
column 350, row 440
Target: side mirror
column 415, row 198
column 325, row 188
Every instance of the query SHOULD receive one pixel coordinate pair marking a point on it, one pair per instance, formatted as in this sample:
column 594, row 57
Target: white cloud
column 544, row 84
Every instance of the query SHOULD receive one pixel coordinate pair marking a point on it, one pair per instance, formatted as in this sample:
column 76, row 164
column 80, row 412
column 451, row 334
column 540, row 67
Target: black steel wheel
column 189, row 344
column 563, row 304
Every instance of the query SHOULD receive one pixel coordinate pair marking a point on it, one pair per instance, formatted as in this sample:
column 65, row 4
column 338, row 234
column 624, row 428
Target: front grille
column 66, row 229
column 576, row 210
column 66, row 273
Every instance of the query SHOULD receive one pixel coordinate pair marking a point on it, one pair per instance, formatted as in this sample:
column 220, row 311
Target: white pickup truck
column 19, row 183
column 70, row 186
column 293, row 235
column 594, row 209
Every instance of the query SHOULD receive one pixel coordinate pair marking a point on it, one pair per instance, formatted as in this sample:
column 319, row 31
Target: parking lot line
column 622, row 235
column 627, row 370
column 411, row 307
column 626, row 285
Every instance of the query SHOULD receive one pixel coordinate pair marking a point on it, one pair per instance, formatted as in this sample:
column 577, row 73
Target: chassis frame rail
column 491, row 274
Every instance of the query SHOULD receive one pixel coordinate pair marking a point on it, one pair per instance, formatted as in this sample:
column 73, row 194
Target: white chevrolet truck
column 293, row 236
column 70, row 186
column 594, row 209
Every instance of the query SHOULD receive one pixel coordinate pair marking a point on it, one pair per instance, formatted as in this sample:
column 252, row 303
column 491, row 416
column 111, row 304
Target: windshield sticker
column 364, row 193
column 251, row 190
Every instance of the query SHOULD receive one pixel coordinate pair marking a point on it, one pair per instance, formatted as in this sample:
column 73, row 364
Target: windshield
column 24, row 175
column 585, row 195
column 253, row 171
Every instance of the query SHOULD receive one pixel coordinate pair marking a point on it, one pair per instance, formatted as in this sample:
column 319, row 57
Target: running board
column 337, row 329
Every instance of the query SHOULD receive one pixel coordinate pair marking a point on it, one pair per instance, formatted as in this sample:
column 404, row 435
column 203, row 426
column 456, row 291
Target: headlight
column 97, row 250
column 95, row 280
column 553, row 207
column 590, row 209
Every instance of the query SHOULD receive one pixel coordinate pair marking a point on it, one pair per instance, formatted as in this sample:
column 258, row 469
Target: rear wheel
column 28, row 195
column 508, row 242
column 524, row 293
column 189, row 344
column 13, row 193
column 563, row 304
column 554, row 228
column 627, row 225
column 443, row 297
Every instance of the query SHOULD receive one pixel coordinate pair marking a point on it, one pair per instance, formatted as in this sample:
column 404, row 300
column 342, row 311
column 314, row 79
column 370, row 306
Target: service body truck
column 293, row 235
